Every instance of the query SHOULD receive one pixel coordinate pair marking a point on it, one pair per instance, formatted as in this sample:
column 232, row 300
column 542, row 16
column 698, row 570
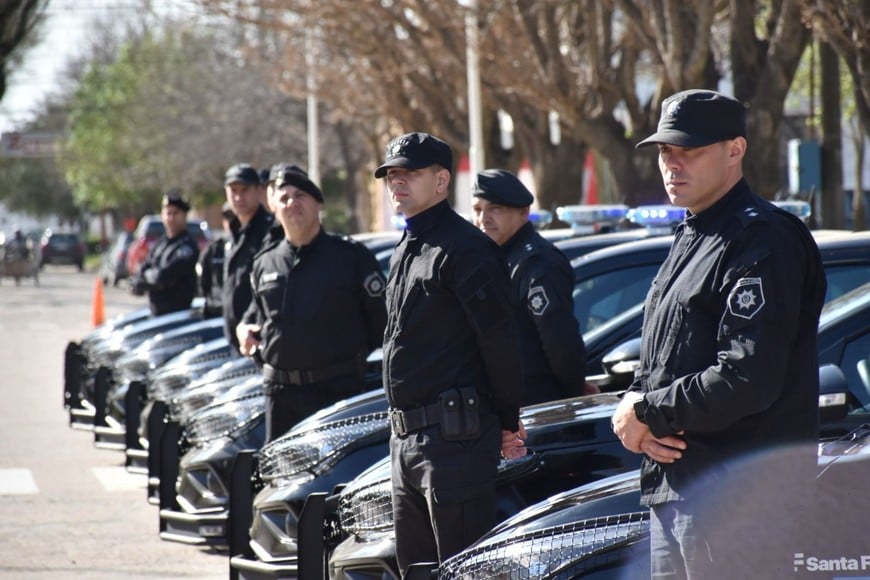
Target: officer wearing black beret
column 168, row 273
column 452, row 361
column 728, row 362
column 554, row 357
column 317, row 309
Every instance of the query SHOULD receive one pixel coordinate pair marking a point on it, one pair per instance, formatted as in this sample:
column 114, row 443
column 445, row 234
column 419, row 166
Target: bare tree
column 844, row 24
column 603, row 65
column 18, row 18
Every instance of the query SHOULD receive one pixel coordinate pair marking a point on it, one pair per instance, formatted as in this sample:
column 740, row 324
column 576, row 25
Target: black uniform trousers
column 288, row 404
column 443, row 491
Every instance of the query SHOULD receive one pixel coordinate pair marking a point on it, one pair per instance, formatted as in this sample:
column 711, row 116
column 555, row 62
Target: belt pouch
column 460, row 414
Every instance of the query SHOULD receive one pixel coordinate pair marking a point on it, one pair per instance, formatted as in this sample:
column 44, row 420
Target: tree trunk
column 859, row 209
column 832, row 155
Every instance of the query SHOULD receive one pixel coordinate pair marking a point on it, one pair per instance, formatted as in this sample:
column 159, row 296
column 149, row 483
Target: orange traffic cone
column 98, row 315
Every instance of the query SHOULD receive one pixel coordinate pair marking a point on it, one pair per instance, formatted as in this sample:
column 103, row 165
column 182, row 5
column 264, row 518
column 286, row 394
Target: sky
column 62, row 37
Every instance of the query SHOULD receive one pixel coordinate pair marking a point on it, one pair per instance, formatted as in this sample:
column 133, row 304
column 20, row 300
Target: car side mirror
column 620, row 364
column 833, row 393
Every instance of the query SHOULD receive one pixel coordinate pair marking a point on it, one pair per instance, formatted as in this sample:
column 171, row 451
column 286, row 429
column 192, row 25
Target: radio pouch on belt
column 460, row 414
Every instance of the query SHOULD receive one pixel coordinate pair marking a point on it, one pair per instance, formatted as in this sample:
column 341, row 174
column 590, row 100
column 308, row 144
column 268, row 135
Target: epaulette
column 752, row 214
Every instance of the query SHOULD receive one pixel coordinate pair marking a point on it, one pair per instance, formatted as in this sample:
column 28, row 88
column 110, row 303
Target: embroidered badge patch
column 538, row 300
column 374, row 284
column 746, row 298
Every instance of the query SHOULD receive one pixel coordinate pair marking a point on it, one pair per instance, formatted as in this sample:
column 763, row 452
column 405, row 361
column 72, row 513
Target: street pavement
column 67, row 509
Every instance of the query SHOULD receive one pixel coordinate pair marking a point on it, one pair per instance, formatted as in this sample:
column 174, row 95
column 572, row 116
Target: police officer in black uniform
column 210, row 268
column 729, row 367
column 248, row 230
column 168, row 273
column 542, row 279
column 452, row 361
column 318, row 309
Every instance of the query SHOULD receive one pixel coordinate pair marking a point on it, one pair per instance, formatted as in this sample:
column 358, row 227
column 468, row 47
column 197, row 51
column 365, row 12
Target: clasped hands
column 636, row 436
column 513, row 445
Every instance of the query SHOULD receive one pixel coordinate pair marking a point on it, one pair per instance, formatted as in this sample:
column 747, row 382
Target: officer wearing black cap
column 248, row 230
column 318, row 309
column 452, row 361
column 210, row 267
column 168, row 273
column 729, row 366
column 542, row 280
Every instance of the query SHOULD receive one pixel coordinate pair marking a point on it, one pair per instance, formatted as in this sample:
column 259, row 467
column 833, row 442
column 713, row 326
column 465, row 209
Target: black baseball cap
column 501, row 187
column 242, row 173
column 297, row 177
column 698, row 117
column 416, row 151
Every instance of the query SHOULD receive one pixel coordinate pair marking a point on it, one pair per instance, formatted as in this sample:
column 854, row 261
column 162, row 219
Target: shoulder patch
column 538, row 300
column 746, row 298
column 374, row 284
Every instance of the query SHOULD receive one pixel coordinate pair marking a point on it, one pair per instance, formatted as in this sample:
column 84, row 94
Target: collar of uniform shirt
column 426, row 220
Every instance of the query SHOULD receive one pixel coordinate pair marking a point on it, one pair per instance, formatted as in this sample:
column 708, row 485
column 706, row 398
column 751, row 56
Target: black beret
column 298, row 178
column 416, row 151
column 242, row 173
column 277, row 169
column 501, row 187
column 173, row 197
column 698, row 117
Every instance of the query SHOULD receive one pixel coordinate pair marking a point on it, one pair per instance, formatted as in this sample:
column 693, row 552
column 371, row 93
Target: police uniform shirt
column 169, row 272
column 319, row 304
column 728, row 351
column 542, row 279
column 241, row 247
column 450, row 317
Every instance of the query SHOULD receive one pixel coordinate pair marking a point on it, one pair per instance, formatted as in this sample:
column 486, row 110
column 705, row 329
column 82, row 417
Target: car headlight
column 367, row 508
column 318, row 448
column 222, row 420
column 365, row 505
column 133, row 366
column 162, row 387
column 571, row 547
column 196, row 396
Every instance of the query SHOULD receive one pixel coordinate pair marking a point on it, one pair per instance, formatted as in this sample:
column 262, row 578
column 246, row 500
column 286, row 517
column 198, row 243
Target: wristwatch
column 640, row 407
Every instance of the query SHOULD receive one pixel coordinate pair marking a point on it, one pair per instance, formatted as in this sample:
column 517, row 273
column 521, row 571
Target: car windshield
column 599, row 298
column 62, row 239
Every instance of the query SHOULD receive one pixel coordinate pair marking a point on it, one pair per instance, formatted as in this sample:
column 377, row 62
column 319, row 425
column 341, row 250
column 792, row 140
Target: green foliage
column 34, row 186
column 806, row 87
column 97, row 157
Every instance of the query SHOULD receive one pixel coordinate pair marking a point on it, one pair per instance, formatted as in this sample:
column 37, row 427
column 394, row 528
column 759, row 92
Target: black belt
column 308, row 376
column 414, row 419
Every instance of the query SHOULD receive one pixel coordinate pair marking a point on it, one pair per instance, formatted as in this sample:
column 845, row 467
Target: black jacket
column 242, row 245
column 542, row 279
column 169, row 273
column 319, row 304
column 728, row 352
column 211, row 276
column 450, row 318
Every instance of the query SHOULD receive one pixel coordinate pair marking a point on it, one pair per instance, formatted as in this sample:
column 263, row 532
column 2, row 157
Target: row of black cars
column 186, row 410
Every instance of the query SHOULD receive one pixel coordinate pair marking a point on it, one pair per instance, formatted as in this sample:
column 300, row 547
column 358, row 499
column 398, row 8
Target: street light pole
column 311, row 103
column 475, row 116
